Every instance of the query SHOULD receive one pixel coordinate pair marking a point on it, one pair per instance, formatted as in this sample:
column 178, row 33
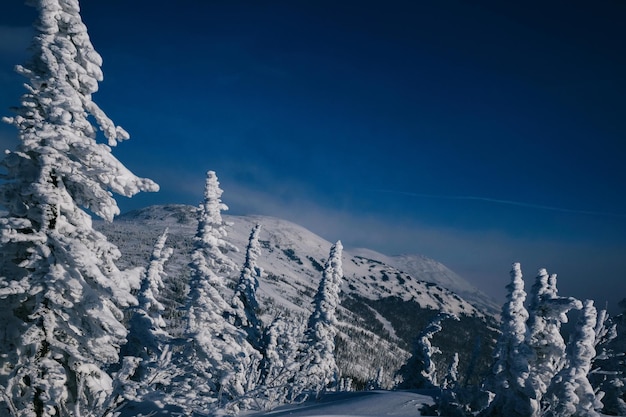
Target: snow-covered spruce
column 420, row 371
column 279, row 365
column 61, row 291
column 219, row 362
column 607, row 373
column 318, row 369
column 546, row 313
column 449, row 402
column 570, row 393
column 245, row 304
column 509, row 382
column 148, row 340
column 147, row 335
column 451, row 379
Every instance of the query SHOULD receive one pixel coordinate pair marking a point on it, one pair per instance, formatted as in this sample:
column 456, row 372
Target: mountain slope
column 429, row 270
column 385, row 302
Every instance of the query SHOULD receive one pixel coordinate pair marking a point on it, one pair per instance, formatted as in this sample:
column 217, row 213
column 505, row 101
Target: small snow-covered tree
column 279, row 365
column 450, row 399
column 319, row 370
column 570, row 393
column 219, row 358
column 245, row 304
column 376, row 382
column 148, row 339
column 614, row 399
column 345, row 385
column 147, row 335
column 607, row 375
column 420, row 371
column 60, row 290
column 509, row 381
column 451, row 379
column 546, row 313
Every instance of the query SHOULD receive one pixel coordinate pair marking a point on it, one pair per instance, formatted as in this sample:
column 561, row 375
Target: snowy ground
column 359, row 404
column 355, row 404
column 343, row 404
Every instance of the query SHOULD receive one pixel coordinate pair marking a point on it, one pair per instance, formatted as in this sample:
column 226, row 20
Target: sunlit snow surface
column 364, row 403
column 360, row 404
column 343, row 404
column 357, row 404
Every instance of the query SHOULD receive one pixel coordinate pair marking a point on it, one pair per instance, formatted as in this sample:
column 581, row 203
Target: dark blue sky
column 475, row 132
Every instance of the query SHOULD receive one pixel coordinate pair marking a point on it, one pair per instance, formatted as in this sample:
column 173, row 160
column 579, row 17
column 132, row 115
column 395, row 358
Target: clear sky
column 478, row 133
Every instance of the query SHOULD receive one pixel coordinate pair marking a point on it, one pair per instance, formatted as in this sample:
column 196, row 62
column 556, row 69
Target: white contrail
column 507, row 202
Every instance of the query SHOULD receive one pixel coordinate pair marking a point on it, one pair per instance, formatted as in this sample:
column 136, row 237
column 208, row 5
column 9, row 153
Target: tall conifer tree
column 319, row 370
column 220, row 358
column 513, row 393
column 570, row 393
column 148, row 339
column 546, row 313
column 61, row 291
column 245, row 304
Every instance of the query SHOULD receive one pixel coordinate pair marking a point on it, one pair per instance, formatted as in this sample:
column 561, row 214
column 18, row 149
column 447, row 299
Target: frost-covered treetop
column 249, row 278
column 153, row 281
column 514, row 314
column 65, row 56
column 327, row 297
column 212, row 228
column 212, row 205
column 540, row 289
column 59, row 148
column 334, row 268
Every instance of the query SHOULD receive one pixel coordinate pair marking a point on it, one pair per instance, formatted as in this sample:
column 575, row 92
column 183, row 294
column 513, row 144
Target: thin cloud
column 505, row 202
column 482, row 257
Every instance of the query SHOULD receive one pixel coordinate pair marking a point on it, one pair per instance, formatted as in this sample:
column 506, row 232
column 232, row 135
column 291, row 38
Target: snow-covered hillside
column 385, row 300
column 429, row 270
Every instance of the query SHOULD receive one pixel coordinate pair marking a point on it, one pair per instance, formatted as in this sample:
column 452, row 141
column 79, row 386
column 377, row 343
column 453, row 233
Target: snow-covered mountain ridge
column 363, row 262
column 385, row 300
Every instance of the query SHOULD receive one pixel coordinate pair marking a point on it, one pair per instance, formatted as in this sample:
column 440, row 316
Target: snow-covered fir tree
column 60, row 290
column 570, row 393
column 420, row 371
column 319, row 370
column 245, row 304
column 148, row 339
column 147, row 335
column 607, row 373
column 451, row 379
column 546, row 313
column 449, row 401
column 345, row 385
column 219, row 360
column 509, row 382
column 376, row 383
column 279, row 365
